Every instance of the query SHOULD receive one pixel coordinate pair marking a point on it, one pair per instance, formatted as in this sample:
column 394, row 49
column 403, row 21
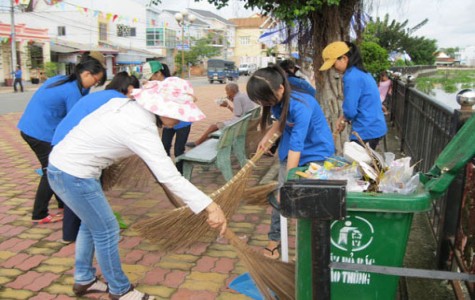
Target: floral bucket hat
column 173, row 98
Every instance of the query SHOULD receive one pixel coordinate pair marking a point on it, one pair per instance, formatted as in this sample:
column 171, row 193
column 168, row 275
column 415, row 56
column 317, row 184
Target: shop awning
column 63, row 49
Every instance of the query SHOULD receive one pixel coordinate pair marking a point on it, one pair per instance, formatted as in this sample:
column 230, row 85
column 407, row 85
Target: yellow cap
column 331, row 53
column 99, row 57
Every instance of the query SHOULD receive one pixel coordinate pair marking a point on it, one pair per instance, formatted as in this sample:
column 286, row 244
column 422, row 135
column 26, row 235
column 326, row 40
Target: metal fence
column 425, row 128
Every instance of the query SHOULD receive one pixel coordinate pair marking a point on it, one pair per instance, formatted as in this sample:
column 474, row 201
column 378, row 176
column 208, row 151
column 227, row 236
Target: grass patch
column 449, row 80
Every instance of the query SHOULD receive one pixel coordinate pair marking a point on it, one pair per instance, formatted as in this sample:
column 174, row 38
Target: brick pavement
column 34, row 265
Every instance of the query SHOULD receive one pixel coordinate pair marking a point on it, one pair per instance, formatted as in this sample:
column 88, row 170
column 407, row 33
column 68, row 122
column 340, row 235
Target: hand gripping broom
column 181, row 228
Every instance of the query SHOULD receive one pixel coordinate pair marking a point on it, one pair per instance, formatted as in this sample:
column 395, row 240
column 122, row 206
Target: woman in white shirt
column 116, row 130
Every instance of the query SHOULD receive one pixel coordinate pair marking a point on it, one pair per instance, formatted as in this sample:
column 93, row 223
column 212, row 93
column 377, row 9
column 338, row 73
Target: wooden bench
column 247, row 129
column 214, row 151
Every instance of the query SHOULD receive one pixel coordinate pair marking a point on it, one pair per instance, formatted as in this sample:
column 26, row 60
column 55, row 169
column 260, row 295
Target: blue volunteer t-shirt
column 306, row 130
column 302, row 85
column 182, row 124
column 362, row 105
column 83, row 107
column 48, row 106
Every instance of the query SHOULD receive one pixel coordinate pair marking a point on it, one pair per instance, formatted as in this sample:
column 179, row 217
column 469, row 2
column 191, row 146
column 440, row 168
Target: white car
column 247, row 69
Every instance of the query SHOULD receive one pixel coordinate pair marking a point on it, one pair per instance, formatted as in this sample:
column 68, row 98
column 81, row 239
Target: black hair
column 354, row 57
column 134, row 81
column 287, row 65
column 120, row 83
column 165, row 71
column 158, row 121
column 262, row 88
column 86, row 63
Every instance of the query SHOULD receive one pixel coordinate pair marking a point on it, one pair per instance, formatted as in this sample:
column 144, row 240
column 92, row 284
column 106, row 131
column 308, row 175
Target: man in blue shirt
column 18, row 75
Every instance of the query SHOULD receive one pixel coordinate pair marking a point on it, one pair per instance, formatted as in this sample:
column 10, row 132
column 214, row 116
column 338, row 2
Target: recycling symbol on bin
column 352, row 234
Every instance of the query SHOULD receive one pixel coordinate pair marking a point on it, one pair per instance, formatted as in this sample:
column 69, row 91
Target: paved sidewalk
column 34, row 265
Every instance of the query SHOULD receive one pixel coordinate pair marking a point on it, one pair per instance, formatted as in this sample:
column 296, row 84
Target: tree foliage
column 450, row 51
column 201, row 49
column 397, row 36
column 375, row 58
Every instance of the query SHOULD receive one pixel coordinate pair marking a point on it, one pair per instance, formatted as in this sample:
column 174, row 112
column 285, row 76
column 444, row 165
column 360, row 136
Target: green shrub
column 51, row 69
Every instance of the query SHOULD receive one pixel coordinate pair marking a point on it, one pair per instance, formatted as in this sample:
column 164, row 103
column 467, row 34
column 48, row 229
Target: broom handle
column 230, row 235
column 250, row 164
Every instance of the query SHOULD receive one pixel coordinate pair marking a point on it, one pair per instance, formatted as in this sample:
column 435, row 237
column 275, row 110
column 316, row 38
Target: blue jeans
column 99, row 229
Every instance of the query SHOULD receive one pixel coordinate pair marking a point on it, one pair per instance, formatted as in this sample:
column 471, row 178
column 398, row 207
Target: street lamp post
column 183, row 19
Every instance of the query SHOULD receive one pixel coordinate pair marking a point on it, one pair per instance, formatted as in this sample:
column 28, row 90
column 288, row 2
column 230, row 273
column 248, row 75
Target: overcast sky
column 451, row 22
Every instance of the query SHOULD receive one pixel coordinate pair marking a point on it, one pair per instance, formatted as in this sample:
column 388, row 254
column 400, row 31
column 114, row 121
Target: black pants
column 44, row 192
column 17, row 80
column 180, row 141
column 373, row 143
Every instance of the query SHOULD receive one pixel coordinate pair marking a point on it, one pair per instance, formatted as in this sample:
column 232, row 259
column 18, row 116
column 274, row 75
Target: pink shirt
column 384, row 88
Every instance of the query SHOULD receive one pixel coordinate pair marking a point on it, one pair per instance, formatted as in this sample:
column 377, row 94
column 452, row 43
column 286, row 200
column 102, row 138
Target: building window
column 61, row 30
column 125, row 31
column 102, row 31
column 161, row 37
column 245, row 40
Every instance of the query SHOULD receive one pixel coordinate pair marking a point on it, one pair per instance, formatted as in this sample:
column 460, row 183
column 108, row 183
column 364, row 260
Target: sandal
column 131, row 294
column 96, row 286
column 48, row 219
column 272, row 253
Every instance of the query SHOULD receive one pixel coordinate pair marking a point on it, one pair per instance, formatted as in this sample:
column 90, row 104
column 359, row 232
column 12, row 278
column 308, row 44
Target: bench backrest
column 241, row 129
column 231, row 131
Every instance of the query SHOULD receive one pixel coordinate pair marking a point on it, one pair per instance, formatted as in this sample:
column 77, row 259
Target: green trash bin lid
column 381, row 202
column 451, row 160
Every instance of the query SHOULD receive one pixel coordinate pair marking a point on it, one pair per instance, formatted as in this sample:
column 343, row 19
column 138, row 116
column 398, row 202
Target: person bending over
column 241, row 105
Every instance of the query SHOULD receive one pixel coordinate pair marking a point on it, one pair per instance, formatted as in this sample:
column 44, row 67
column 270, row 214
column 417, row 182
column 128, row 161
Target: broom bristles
column 181, row 228
column 257, row 195
column 268, row 274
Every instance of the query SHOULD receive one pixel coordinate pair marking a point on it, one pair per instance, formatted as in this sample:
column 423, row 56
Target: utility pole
column 12, row 18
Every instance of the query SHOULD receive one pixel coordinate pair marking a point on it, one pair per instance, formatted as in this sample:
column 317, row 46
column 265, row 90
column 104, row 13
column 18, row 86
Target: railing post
column 409, row 84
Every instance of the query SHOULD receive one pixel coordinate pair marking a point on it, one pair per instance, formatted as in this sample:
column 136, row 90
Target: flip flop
column 96, row 286
column 49, row 219
column 272, row 253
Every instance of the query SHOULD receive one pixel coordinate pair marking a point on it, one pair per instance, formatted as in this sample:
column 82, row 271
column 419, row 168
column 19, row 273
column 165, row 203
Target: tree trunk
column 329, row 24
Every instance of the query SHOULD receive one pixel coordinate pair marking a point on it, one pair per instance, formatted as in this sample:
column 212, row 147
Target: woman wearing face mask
column 361, row 101
column 116, row 130
column 48, row 106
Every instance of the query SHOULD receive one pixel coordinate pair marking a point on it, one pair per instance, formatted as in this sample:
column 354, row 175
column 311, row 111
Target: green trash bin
column 376, row 228
column 374, row 231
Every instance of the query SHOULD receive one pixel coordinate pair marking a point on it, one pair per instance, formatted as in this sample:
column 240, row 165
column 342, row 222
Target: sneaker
column 131, row 294
column 191, row 144
column 48, row 219
column 96, row 286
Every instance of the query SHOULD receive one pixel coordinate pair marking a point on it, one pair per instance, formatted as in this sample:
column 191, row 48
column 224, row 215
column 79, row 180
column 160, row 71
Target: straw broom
column 267, row 273
column 181, row 228
column 133, row 172
column 257, row 195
